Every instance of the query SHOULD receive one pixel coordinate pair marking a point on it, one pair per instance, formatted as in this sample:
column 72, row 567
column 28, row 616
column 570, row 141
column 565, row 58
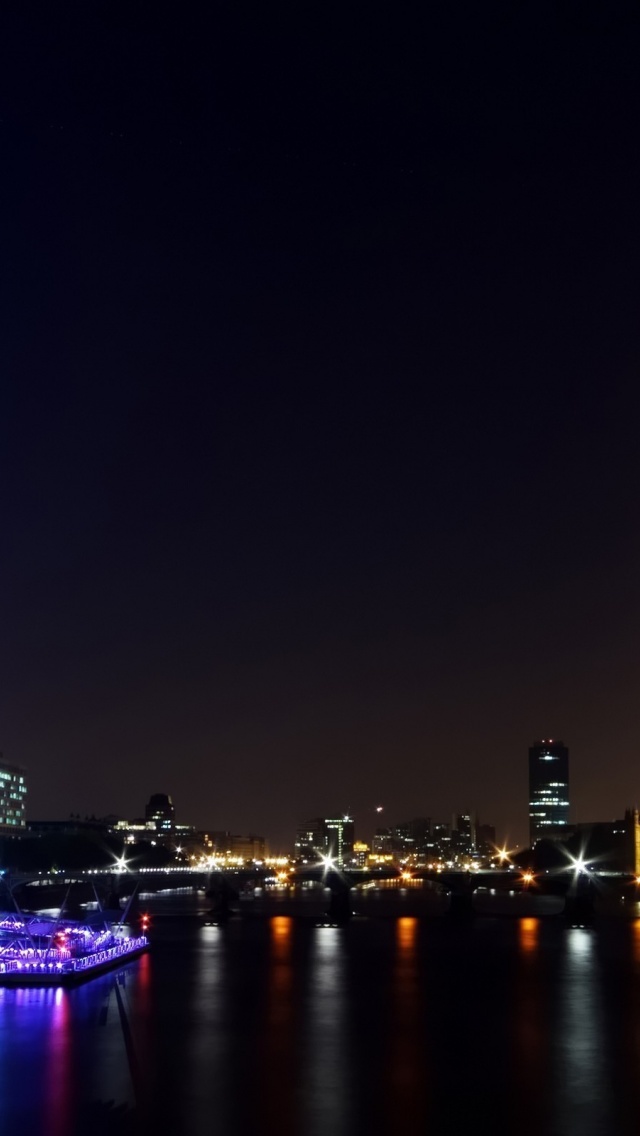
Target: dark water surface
column 276, row 1025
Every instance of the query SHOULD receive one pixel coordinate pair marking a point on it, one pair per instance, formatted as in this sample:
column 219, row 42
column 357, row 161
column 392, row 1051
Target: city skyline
column 370, row 819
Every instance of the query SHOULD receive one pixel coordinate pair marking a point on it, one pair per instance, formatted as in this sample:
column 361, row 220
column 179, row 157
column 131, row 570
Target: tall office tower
column 463, row 834
column 161, row 811
column 13, row 792
column 340, row 836
column 548, row 791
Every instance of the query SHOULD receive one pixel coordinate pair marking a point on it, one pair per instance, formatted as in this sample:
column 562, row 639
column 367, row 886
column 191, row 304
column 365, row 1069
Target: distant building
column 609, row 845
column 411, row 838
column 441, row 841
column 485, row 839
column 420, row 828
column 383, row 842
column 13, row 792
column 326, row 836
column 463, row 834
column 310, row 839
column 247, row 847
column 632, row 840
column 548, row 791
column 340, row 836
column 402, row 839
column 160, row 810
column 135, row 831
column 228, row 844
column 73, row 826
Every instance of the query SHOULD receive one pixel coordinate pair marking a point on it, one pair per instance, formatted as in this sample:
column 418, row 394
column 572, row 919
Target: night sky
column 319, row 409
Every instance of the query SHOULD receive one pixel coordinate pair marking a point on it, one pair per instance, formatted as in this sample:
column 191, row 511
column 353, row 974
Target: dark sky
column 320, row 345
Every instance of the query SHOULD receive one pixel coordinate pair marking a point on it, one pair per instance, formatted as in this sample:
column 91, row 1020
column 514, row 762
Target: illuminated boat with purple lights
column 39, row 951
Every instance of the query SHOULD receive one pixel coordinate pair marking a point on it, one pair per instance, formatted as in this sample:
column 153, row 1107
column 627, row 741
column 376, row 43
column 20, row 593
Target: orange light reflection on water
column 406, row 933
column 277, row 1098
column 528, row 934
column 407, row 1065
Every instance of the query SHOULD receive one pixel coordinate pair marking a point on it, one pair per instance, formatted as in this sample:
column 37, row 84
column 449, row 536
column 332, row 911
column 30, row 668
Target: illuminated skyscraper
column 339, row 838
column 548, row 791
column 13, row 792
column 326, row 836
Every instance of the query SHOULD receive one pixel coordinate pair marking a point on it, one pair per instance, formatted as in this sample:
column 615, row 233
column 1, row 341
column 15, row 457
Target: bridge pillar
column 339, row 910
column 579, row 908
column 221, row 895
column 461, row 905
column 461, row 899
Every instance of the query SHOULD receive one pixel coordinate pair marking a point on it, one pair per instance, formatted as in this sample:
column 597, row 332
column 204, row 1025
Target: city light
column 580, row 866
column 527, row 877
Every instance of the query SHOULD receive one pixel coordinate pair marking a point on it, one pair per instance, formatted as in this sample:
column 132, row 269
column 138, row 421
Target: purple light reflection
column 59, row 1086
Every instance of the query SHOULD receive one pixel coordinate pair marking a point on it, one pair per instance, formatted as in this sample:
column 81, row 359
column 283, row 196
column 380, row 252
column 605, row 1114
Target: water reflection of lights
column 276, row 1102
column 206, row 1072
column 528, row 932
column 407, row 1062
column 527, row 1040
column 579, row 942
column 326, row 1067
column 406, row 932
column 280, row 936
column 582, row 1088
column 59, row 1084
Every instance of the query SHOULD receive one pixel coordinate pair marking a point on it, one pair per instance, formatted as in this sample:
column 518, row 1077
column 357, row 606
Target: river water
column 392, row 1024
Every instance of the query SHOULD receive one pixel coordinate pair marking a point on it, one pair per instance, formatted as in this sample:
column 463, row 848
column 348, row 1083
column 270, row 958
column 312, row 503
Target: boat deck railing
column 40, row 961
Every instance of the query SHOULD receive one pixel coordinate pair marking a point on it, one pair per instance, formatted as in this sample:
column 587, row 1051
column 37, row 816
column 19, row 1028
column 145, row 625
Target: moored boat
column 41, row 951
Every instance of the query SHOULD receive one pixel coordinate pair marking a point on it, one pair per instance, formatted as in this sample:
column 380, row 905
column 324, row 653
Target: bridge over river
column 577, row 893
